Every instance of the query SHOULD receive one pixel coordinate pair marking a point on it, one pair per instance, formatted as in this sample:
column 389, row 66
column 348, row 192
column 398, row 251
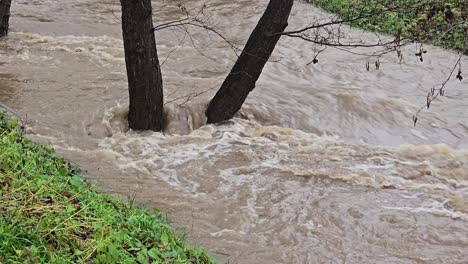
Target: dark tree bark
column 4, row 16
column 143, row 70
column 248, row 67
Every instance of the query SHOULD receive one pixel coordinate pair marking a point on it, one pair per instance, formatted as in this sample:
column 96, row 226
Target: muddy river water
column 323, row 165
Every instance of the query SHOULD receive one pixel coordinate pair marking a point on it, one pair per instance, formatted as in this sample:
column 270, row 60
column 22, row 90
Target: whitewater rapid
column 322, row 165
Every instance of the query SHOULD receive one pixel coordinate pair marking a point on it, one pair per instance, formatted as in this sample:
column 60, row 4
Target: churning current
column 322, row 165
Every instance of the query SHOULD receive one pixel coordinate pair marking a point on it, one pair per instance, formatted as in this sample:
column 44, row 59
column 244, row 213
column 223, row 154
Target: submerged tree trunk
column 4, row 16
column 243, row 76
column 143, row 70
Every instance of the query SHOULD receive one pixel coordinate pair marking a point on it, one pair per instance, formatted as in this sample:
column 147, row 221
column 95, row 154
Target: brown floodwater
column 322, row 165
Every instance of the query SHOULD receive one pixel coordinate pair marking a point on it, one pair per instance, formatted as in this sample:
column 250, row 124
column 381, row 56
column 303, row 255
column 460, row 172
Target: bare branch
column 190, row 96
column 436, row 92
column 196, row 22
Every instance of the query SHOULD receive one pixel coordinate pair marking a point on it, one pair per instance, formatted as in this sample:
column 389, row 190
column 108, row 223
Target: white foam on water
column 328, row 167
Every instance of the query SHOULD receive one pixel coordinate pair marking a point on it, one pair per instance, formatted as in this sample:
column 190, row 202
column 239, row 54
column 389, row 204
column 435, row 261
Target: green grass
column 49, row 214
column 440, row 22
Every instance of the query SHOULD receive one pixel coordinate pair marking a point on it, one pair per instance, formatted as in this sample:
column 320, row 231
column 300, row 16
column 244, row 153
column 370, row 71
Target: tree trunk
column 243, row 76
column 143, row 70
column 4, row 16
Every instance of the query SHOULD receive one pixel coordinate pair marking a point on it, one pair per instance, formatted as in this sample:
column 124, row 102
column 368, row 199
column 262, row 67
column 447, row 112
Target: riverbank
column 442, row 23
column 49, row 214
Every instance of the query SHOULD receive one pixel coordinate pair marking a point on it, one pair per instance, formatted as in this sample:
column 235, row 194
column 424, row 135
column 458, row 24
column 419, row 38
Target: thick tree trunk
column 4, row 16
column 143, row 71
column 243, row 76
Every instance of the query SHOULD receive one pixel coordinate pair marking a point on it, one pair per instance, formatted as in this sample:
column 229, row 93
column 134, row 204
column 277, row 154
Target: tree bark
column 143, row 70
column 248, row 67
column 4, row 16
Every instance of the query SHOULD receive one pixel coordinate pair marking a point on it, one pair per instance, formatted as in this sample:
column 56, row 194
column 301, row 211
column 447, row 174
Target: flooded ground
column 323, row 165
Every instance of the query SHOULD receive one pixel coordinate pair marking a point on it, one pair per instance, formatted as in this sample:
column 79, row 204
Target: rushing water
column 323, row 165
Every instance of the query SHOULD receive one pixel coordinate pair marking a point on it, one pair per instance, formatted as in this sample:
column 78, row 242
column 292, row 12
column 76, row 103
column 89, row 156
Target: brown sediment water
column 322, row 165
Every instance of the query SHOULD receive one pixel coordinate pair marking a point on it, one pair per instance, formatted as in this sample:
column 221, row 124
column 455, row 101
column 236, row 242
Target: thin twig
column 435, row 93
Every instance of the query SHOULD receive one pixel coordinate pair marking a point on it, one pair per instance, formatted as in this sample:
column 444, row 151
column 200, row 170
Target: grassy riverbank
column 49, row 214
column 440, row 22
